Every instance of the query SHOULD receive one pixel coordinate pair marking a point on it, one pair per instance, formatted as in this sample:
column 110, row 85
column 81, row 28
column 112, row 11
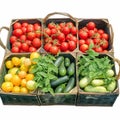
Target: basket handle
column 1, row 43
column 59, row 13
column 111, row 34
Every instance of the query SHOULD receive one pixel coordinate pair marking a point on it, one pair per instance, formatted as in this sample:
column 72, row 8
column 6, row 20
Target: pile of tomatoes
column 25, row 37
column 19, row 78
column 61, row 37
column 91, row 35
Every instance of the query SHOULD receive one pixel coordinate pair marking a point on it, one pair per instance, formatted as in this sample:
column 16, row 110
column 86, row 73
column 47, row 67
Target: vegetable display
column 96, row 72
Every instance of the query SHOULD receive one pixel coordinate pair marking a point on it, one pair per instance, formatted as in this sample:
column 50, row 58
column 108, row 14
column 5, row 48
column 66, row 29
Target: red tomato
column 23, row 38
column 104, row 44
column 66, row 30
column 69, row 24
column 89, row 41
column 13, row 39
column 105, row 36
column 61, row 37
column 29, row 42
column 54, row 50
column 71, row 45
column 36, row 42
column 47, row 46
column 32, row 49
column 84, row 47
column 68, row 37
column 98, row 49
column 74, row 38
column 38, row 33
column 73, row 30
column 81, row 42
column 51, row 25
column 30, row 28
column 96, row 40
column 24, row 24
column 101, row 31
column 91, row 33
column 64, row 46
column 17, row 25
column 83, row 34
column 91, row 25
column 16, row 44
column 24, row 29
column 47, row 32
column 37, row 26
column 17, row 32
column 15, row 49
column 31, row 35
column 25, row 47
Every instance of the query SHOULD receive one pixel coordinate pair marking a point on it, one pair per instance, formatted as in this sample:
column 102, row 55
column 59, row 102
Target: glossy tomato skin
column 54, row 50
column 91, row 25
column 64, row 46
column 83, row 34
column 32, row 49
column 13, row 39
column 105, row 36
column 84, row 47
column 17, row 25
column 25, row 47
column 17, row 32
column 31, row 35
column 47, row 46
column 36, row 42
column 15, row 49
column 71, row 45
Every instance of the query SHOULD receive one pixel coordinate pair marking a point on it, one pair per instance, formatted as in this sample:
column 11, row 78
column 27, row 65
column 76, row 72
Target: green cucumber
column 62, row 69
column 61, row 80
column 58, row 61
column 71, row 69
column 70, row 85
column 67, row 62
column 60, row 88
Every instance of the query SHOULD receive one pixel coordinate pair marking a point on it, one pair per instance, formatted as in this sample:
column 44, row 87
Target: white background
column 10, row 9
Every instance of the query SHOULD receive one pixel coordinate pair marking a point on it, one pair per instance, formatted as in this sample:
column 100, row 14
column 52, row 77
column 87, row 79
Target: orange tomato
column 16, row 80
column 29, row 76
column 24, row 90
column 16, row 61
column 22, row 74
column 23, row 82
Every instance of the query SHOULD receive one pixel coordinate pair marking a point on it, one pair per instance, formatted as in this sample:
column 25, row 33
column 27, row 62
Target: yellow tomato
column 7, row 86
column 9, row 64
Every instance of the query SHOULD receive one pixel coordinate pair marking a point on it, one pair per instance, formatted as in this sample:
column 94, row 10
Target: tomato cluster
column 60, row 37
column 25, row 37
column 91, row 35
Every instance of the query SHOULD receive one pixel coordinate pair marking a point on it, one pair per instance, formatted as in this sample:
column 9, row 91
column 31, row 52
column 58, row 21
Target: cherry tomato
column 98, row 49
column 73, row 30
column 81, row 42
column 83, row 34
column 105, row 36
column 47, row 46
column 66, row 30
column 31, row 35
column 61, row 37
column 13, row 39
column 91, row 25
column 15, row 49
column 25, row 47
column 17, row 25
column 32, row 49
column 17, row 32
column 64, row 46
column 71, row 45
column 36, row 42
column 54, row 50
column 30, row 28
column 84, row 47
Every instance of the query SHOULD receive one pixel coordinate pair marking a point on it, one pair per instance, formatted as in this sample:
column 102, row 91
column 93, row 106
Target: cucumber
column 61, row 80
column 67, row 62
column 84, row 82
column 60, row 88
column 100, row 89
column 62, row 69
column 111, row 87
column 71, row 69
column 58, row 61
column 70, row 85
column 97, row 82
